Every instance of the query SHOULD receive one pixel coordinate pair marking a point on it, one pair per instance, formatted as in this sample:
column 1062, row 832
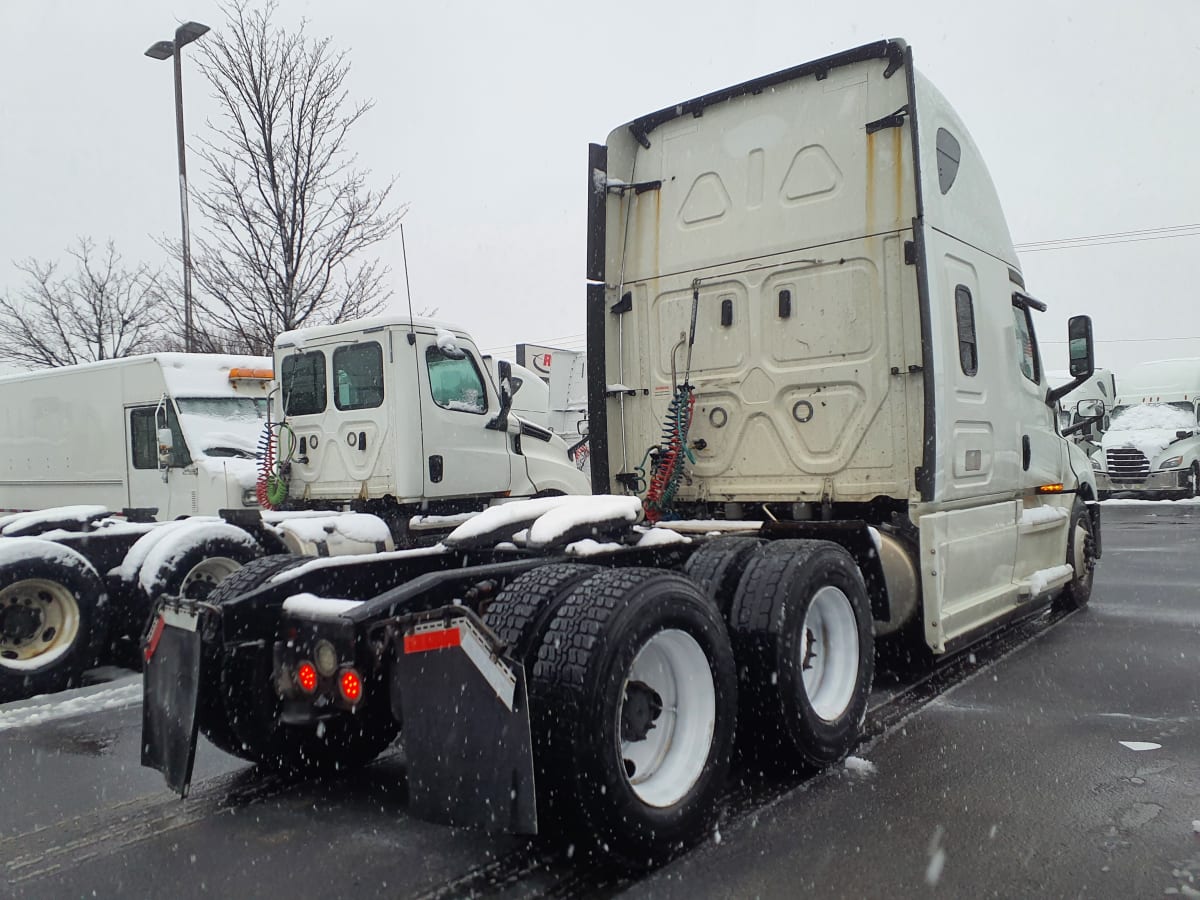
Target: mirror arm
column 1055, row 394
column 1082, row 424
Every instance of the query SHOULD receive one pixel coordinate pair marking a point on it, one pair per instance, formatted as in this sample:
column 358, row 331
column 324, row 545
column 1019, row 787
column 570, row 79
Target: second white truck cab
column 400, row 414
column 1152, row 445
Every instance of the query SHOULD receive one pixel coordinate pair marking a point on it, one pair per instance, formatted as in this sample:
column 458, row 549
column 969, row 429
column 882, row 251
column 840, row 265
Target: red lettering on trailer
column 432, row 640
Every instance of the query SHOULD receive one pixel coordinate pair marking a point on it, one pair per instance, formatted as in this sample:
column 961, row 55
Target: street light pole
column 184, row 35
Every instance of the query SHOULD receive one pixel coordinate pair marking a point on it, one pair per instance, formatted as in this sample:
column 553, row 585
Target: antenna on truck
column 412, row 337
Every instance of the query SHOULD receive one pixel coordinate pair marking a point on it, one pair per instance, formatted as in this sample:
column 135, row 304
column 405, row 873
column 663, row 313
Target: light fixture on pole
column 184, row 35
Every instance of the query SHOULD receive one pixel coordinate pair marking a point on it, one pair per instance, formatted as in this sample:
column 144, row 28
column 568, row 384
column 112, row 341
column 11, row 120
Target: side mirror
column 1089, row 409
column 1082, row 354
column 504, row 370
column 1081, row 346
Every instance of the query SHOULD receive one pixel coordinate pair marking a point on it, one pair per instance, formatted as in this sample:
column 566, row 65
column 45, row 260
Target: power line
column 1115, row 237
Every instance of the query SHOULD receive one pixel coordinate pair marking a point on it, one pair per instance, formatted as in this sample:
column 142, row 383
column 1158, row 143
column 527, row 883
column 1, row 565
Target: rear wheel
column 53, row 617
column 633, row 698
column 522, row 612
column 1081, row 557
column 802, row 632
column 718, row 565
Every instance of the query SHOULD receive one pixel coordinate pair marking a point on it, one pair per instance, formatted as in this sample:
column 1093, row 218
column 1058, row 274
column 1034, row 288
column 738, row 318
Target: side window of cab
column 1027, row 357
column 455, row 381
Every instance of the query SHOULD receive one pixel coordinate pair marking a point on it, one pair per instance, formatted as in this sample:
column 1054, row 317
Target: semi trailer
column 819, row 423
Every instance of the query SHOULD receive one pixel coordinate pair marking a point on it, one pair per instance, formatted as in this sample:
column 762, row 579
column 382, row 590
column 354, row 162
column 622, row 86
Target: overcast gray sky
column 1084, row 111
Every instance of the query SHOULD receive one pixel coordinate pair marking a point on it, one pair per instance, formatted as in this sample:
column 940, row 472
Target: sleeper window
column 964, row 313
column 948, row 155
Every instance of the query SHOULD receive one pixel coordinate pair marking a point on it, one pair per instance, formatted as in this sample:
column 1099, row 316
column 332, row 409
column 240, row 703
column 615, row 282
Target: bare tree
column 285, row 215
column 103, row 310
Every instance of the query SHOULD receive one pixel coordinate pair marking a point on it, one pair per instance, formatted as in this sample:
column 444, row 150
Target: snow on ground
column 860, row 766
column 45, row 709
column 1133, row 501
column 1138, row 746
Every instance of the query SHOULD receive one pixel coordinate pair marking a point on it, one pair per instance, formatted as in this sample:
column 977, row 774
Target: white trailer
column 1152, row 445
column 807, row 330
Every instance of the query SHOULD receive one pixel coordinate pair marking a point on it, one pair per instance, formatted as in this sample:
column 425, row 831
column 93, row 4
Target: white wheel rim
column 829, row 653
column 39, row 621
column 665, row 763
column 200, row 580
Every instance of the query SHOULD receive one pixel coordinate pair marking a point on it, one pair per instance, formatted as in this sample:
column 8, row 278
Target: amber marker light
column 351, row 686
column 1050, row 489
column 306, row 676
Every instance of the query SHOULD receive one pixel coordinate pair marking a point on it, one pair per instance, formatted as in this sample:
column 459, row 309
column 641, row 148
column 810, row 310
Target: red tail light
column 306, row 676
column 351, row 686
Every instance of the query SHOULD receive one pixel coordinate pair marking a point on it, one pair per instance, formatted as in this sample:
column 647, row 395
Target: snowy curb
column 119, row 694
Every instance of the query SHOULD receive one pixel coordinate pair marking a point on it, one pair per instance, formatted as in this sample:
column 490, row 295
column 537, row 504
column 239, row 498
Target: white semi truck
column 1085, row 413
column 1152, row 445
column 808, row 333
column 100, row 459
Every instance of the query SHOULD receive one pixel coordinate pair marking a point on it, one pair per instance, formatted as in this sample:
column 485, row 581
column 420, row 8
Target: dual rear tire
column 635, row 677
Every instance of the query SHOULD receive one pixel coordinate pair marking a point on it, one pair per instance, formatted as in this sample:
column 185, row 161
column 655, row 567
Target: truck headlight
column 1173, row 463
column 1097, row 466
column 249, row 497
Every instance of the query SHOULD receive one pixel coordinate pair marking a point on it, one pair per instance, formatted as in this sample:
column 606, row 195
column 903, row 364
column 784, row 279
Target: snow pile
column 357, row 527
column 314, row 607
column 578, row 513
column 433, row 523
column 1139, row 746
column 654, row 537
column 242, row 472
column 22, row 549
column 590, row 547
column 132, row 563
column 207, row 374
column 448, row 344
column 1040, row 580
column 59, row 516
column 500, row 517
column 1043, row 515
column 860, row 766
column 117, row 697
column 1150, row 428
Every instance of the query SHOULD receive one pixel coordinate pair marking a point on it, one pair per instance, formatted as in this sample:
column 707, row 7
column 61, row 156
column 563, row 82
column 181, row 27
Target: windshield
column 1142, row 416
column 223, row 426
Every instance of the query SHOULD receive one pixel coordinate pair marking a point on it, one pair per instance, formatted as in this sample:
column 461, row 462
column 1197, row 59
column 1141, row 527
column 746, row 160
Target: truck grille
column 1128, row 464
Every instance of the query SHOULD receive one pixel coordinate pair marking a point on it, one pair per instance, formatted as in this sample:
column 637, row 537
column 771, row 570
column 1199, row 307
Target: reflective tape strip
column 155, row 637
column 431, row 640
column 463, row 634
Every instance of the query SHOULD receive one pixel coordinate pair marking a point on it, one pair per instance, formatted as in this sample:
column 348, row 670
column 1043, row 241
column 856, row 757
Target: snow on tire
column 522, row 612
column 802, row 632
column 634, row 705
column 53, row 617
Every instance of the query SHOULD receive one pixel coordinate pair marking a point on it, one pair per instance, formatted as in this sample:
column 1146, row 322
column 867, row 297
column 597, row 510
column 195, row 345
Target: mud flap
column 465, row 727
column 170, row 689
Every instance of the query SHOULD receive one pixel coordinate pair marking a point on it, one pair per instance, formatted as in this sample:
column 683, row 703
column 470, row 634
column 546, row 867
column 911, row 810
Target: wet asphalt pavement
column 1010, row 782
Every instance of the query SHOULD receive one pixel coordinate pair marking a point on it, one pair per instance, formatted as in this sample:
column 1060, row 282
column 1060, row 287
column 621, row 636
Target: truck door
column 461, row 455
column 146, row 486
column 1041, row 543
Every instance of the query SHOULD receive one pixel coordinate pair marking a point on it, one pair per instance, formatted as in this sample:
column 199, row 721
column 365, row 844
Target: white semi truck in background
column 101, row 459
column 1086, row 412
column 1152, row 444
column 812, row 360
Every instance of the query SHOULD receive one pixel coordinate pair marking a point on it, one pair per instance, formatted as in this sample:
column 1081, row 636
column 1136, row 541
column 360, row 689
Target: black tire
column 1081, row 546
column 583, row 713
column 718, row 565
column 522, row 612
column 192, row 573
column 53, row 618
column 774, row 643
column 215, row 718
